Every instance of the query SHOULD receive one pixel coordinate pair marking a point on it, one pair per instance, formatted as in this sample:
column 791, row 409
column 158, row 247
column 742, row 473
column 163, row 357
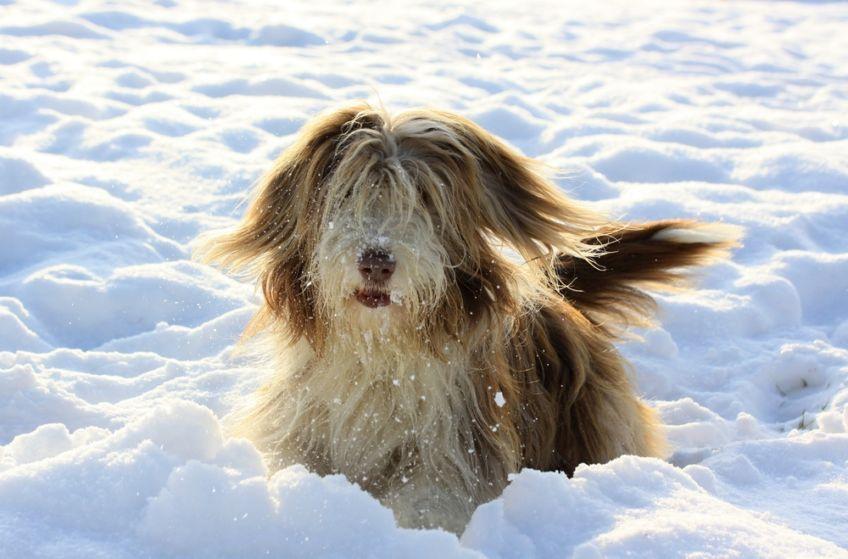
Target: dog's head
column 397, row 227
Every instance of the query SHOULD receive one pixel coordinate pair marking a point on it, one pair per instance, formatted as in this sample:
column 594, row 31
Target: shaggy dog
column 442, row 315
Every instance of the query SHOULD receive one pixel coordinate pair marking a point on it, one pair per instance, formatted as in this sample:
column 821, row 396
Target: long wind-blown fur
column 440, row 315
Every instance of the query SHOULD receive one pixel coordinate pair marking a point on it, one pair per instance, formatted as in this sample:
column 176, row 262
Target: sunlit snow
column 126, row 129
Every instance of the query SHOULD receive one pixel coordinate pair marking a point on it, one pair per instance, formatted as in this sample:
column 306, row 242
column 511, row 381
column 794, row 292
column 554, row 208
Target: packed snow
column 127, row 128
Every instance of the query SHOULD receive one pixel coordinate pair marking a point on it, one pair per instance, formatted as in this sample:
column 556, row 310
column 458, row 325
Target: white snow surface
column 127, row 128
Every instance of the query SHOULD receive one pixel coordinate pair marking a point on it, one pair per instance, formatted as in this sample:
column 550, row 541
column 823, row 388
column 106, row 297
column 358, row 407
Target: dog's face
column 377, row 227
column 381, row 262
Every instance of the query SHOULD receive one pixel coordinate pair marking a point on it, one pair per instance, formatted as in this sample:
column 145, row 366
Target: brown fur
column 609, row 289
column 539, row 332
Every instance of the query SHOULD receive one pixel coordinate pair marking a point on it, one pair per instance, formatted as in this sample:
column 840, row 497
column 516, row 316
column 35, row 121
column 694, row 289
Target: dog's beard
column 374, row 315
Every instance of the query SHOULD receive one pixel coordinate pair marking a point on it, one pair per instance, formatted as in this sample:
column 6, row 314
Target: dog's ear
column 519, row 205
column 278, row 232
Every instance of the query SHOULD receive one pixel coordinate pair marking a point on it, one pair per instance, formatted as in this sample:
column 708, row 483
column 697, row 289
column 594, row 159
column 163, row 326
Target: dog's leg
column 420, row 502
column 596, row 415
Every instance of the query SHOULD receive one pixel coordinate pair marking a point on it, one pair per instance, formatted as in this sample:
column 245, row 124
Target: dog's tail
column 609, row 289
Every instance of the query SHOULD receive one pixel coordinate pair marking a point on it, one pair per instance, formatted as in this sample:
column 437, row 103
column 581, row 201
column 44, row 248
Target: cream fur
column 352, row 410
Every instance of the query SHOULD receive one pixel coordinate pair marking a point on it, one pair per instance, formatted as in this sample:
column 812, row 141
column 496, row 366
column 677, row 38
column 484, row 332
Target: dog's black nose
column 376, row 264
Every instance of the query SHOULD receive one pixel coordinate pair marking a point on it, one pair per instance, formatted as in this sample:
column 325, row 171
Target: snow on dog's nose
column 376, row 265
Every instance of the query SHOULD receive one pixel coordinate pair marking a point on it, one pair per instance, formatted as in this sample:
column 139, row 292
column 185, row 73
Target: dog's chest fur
column 393, row 421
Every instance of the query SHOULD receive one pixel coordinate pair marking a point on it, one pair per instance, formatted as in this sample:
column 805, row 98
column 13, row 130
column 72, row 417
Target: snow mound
column 629, row 504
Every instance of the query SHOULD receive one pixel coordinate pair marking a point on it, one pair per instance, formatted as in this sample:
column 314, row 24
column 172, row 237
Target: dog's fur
column 496, row 352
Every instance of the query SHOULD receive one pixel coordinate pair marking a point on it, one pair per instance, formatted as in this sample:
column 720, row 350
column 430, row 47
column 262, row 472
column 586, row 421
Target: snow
column 128, row 129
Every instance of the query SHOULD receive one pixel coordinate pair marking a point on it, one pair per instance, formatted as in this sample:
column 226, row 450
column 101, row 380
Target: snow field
column 128, row 129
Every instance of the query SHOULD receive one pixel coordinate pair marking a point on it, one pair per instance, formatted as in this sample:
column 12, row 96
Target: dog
column 440, row 315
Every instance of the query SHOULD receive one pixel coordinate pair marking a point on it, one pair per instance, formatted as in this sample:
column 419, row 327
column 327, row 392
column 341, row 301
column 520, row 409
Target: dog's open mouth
column 373, row 298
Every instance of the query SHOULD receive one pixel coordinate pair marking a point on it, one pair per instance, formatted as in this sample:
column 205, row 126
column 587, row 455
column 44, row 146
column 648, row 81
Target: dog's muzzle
column 376, row 266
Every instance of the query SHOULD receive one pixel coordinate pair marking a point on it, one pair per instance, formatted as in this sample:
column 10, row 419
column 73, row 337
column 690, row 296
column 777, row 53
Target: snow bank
column 169, row 483
column 125, row 131
column 631, row 505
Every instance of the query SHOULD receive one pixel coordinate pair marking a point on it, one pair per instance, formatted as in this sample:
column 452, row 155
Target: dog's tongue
column 373, row 299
